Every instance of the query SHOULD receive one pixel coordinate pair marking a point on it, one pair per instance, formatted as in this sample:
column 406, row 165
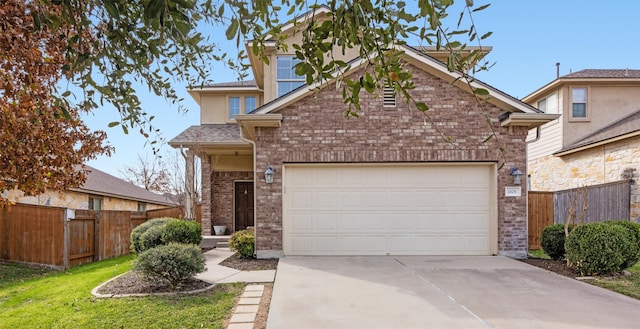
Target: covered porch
column 227, row 175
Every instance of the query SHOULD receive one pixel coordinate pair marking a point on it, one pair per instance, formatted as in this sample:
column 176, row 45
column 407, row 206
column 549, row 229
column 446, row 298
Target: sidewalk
column 220, row 274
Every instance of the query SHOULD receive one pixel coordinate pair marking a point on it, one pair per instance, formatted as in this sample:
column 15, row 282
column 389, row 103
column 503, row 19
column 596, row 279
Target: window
column 234, row 106
column 95, row 203
column 142, row 206
column 249, row 104
column 579, row 102
column 549, row 104
column 286, row 76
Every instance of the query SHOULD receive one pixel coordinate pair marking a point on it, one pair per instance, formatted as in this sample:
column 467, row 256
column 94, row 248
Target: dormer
column 220, row 102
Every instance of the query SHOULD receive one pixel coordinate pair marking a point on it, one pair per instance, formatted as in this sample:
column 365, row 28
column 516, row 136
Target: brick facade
column 314, row 130
column 222, row 192
column 597, row 165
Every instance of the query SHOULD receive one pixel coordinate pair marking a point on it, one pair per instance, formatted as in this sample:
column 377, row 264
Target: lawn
column 625, row 284
column 628, row 285
column 64, row 300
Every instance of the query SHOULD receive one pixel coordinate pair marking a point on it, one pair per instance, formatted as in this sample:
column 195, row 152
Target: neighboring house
column 597, row 138
column 101, row 191
column 384, row 183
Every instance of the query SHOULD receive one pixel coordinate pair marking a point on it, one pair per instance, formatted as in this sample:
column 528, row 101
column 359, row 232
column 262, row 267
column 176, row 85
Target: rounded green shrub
column 600, row 248
column 137, row 232
column 552, row 240
column 180, row 231
column 632, row 256
column 243, row 242
column 151, row 238
column 172, row 264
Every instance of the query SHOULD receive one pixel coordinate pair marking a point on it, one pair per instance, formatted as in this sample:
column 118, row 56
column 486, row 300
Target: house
column 597, row 137
column 279, row 156
column 100, row 191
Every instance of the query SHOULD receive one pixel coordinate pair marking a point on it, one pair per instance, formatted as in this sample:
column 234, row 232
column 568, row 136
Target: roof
column 610, row 76
column 242, row 83
column 603, row 74
column 100, row 183
column 626, row 127
column 208, row 134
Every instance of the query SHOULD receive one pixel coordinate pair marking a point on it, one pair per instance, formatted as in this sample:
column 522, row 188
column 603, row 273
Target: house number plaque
column 512, row 191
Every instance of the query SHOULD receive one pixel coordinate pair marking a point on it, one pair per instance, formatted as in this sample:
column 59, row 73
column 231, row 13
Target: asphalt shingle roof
column 626, row 125
column 100, row 183
column 208, row 134
column 244, row 83
column 604, row 73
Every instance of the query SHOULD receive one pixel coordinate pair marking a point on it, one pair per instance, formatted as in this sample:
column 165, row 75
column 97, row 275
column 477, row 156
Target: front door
column 244, row 205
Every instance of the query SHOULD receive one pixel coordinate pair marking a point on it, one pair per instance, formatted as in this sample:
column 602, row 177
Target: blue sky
column 529, row 37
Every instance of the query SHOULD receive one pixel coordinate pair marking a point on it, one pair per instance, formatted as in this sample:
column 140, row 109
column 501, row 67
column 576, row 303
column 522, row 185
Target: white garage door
column 361, row 209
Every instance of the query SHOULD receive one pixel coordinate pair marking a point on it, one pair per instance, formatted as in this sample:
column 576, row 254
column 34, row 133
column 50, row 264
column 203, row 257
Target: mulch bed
column 134, row 283
column 250, row 264
column 556, row 266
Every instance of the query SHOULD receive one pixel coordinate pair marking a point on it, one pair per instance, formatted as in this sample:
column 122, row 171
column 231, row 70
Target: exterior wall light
column 268, row 175
column 517, row 175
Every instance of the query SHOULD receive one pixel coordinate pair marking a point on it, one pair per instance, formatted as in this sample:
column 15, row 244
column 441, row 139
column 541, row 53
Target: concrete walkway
column 438, row 292
column 216, row 273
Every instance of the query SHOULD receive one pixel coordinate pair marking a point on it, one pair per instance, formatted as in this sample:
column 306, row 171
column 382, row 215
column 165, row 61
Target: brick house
column 596, row 139
column 387, row 182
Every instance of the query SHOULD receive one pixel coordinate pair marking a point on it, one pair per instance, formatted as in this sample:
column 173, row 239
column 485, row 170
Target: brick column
column 206, row 194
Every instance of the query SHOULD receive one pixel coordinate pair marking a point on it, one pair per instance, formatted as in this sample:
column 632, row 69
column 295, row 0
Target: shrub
column 632, row 256
column 552, row 240
column 172, row 264
column 137, row 232
column 151, row 238
column 180, row 231
column 600, row 248
column 243, row 242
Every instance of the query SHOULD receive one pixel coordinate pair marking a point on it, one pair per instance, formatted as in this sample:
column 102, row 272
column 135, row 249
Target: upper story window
column 241, row 105
column 234, row 106
column 249, row 104
column 549, row 104
column 286, row 76
column 579, row 103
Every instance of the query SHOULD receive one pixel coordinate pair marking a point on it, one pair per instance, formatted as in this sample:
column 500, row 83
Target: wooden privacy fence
column 63, row 238
column 540, row 215
column 604, row 202
column 175, row 212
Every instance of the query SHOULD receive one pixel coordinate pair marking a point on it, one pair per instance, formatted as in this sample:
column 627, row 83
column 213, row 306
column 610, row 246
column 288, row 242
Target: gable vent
column 389, row 97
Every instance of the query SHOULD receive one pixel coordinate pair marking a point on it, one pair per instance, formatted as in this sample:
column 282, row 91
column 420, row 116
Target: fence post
column 69, row 214
column 96, row 236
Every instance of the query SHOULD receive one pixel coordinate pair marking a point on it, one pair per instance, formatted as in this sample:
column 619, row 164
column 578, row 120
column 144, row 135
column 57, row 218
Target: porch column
column 206, row 194
column 189, row 202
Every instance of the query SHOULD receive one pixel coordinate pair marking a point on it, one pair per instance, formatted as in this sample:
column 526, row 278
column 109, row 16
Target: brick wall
column 598, row 165
column 314, row 130
column 222, row 205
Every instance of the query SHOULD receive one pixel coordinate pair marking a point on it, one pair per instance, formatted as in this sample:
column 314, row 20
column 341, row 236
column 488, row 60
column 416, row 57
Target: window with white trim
column 95, row 203
column 249, row 104
column 579, row 103
column 234, row 106
column 549, row 104
column 286, row 77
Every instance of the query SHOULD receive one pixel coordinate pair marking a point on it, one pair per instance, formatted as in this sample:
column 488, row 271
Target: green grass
column 627, row 285
column 10, row 273
column 538, row 254
column 64, row 300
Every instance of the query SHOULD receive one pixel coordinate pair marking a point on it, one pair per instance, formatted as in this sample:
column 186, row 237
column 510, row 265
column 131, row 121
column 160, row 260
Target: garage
column 389, row 209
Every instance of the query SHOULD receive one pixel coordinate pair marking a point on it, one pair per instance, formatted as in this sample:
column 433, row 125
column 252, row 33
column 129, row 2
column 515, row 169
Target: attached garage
column 390, row 209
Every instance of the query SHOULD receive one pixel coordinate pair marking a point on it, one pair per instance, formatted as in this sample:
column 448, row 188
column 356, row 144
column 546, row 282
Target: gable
column 423, row 62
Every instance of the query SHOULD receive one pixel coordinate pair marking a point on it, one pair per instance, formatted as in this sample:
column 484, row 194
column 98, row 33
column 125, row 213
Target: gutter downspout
column 255, row 190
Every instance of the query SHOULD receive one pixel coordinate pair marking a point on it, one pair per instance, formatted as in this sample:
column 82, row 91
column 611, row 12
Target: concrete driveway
column 438, row 292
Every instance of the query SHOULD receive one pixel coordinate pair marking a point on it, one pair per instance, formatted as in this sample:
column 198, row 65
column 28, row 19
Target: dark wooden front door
column 244, row 205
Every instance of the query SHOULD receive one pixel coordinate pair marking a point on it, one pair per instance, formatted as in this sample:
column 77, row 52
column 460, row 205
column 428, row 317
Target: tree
column 41, row 140
column 151, row 175
column 62, row 57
